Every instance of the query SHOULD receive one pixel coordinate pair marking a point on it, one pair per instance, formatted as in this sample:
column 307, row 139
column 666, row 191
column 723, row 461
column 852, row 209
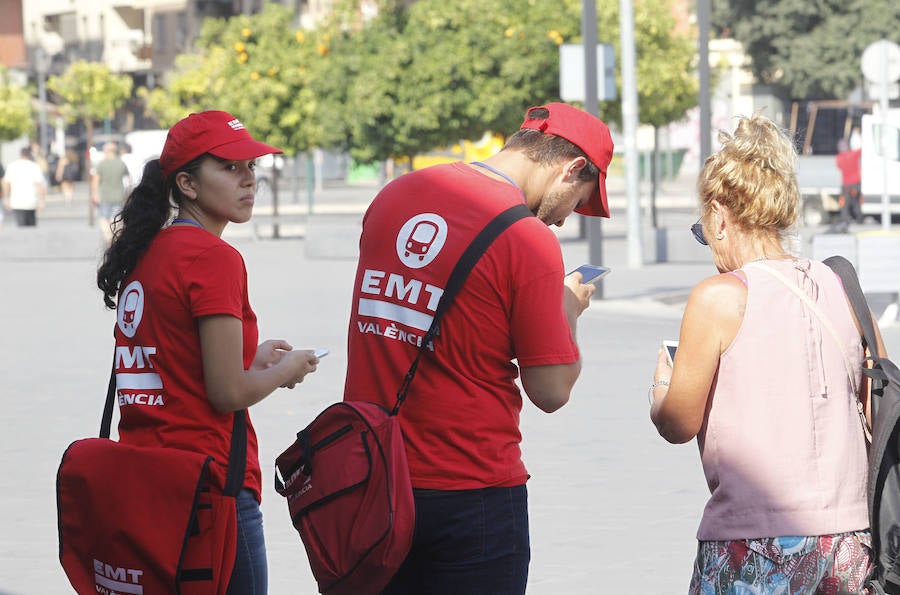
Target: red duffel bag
column 143, row 520
column 139, row 520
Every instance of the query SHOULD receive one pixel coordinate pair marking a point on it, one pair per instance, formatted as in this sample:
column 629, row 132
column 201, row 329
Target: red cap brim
column 243, row 150
column 598, row 205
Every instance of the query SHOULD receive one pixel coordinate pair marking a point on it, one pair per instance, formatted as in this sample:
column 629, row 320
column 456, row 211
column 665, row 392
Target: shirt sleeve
column 538, row 324
column 215, row 282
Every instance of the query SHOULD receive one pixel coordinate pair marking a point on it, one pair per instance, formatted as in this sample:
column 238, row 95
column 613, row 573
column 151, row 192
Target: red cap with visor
column 215, row 132
column 589, row 134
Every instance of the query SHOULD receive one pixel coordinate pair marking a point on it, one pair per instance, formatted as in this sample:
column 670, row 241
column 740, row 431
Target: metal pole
column 310, row 182
column 703, row 9
column 630, row 126
column 41, row 67
column 885, row 104
column 592, row 106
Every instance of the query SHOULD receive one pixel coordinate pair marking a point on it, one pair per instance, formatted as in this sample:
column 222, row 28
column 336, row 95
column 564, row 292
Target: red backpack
column 346, row 478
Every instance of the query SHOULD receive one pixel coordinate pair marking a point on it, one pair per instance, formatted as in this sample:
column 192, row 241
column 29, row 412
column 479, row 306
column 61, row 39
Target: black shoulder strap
column 844, row 269
column 460, row 272
column 237, row 457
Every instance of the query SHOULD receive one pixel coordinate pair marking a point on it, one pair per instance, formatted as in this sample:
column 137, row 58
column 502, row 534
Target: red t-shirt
column 848, row 163
column 461, row 416
column 186, row 273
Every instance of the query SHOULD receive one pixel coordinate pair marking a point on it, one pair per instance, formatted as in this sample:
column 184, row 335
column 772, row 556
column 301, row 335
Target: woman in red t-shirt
column 186, row 337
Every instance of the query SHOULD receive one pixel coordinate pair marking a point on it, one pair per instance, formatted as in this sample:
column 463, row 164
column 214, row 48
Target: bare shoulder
column 719, row 296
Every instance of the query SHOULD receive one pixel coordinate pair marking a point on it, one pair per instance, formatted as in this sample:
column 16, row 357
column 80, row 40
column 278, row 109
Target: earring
column 720, row 235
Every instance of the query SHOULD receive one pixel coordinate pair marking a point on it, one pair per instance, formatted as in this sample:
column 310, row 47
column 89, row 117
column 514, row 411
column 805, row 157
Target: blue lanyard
column 188, row 221
column 499, row 173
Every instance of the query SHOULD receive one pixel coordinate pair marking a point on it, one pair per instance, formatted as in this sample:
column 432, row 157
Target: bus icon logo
column 421, row 239
column 130, row 309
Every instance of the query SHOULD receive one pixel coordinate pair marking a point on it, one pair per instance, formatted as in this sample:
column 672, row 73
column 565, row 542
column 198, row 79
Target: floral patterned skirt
column 823, row 564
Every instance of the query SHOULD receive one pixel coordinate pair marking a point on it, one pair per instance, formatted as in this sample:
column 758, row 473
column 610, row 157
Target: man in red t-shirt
column 847, row 161
column 514, row 317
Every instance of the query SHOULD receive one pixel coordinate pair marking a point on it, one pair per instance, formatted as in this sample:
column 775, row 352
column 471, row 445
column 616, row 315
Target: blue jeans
column 467, row 541
column 251, row 574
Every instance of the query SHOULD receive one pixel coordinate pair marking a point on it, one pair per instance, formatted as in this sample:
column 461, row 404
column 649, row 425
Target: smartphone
column 321, row 352
column 670, row 347
column 591, row 273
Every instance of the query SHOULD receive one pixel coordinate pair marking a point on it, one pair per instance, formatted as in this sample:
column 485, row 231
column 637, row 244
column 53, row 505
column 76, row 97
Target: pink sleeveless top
column 782, row 445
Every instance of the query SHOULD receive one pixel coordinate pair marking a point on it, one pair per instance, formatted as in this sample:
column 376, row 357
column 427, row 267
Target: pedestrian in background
column 763, row 385
column 67, row 175
column 37, row 155
column 24, row 189
column 461, row 417
column 848, row 161
column 182, row 296
column 108, row 182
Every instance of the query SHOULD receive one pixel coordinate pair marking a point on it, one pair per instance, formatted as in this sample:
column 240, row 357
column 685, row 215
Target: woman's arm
column 712, row 317
column 229, row 387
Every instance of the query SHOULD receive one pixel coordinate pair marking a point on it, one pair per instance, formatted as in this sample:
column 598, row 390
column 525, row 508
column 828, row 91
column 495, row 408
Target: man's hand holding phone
column 578, row 298
column 591, row 273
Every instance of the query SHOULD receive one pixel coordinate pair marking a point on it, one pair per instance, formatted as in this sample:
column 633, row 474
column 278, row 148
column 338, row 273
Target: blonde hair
column 754, row 176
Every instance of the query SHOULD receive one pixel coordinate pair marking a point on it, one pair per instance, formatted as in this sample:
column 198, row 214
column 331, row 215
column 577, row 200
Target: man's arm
column 549, row 387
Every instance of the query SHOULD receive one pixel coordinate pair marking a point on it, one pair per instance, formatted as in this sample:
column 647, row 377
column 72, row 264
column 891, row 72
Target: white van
column 876, row 156
column 146, row 144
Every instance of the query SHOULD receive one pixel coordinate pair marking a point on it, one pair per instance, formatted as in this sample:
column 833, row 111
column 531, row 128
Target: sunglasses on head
column 697, row 230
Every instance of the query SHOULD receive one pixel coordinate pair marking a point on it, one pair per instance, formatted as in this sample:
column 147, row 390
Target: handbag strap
column 826, row 322
column 843, row 269
column 237, row 456
column 457, row 278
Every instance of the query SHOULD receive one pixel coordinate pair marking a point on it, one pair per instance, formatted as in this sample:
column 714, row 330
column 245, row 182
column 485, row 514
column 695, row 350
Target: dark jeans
column 25, row 218
column 467, row 541
column 851, row 211
column 251, row 574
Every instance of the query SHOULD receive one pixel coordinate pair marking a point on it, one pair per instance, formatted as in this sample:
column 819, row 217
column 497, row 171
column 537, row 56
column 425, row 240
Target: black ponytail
column 145, row 212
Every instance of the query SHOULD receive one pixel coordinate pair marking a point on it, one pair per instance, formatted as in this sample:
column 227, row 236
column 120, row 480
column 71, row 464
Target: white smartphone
column 670, row 347
column 591, row 273
column 321, row 352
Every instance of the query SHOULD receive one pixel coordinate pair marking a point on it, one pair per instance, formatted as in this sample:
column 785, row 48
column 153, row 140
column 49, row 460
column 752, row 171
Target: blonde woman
column 762, row 384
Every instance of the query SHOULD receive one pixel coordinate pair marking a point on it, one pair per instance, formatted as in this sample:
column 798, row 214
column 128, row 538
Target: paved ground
column 614, row 508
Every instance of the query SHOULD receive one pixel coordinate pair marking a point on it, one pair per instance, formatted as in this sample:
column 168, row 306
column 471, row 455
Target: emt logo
column 113, row 580
column 131, row 308
column 420, row 240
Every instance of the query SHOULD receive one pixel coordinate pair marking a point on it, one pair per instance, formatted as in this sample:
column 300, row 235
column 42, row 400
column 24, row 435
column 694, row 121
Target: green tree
column 356, row 86
column 477, row 65
column 414, row 77
column 667, row 83
column 443, row 72
column 16, row 115
column 90, row 92
column 435, row 73
column 254, row 66
column 807, row 49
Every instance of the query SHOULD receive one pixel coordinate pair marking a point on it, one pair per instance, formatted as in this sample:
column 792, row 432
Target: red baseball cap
column 215, row 132
column 589, row 134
